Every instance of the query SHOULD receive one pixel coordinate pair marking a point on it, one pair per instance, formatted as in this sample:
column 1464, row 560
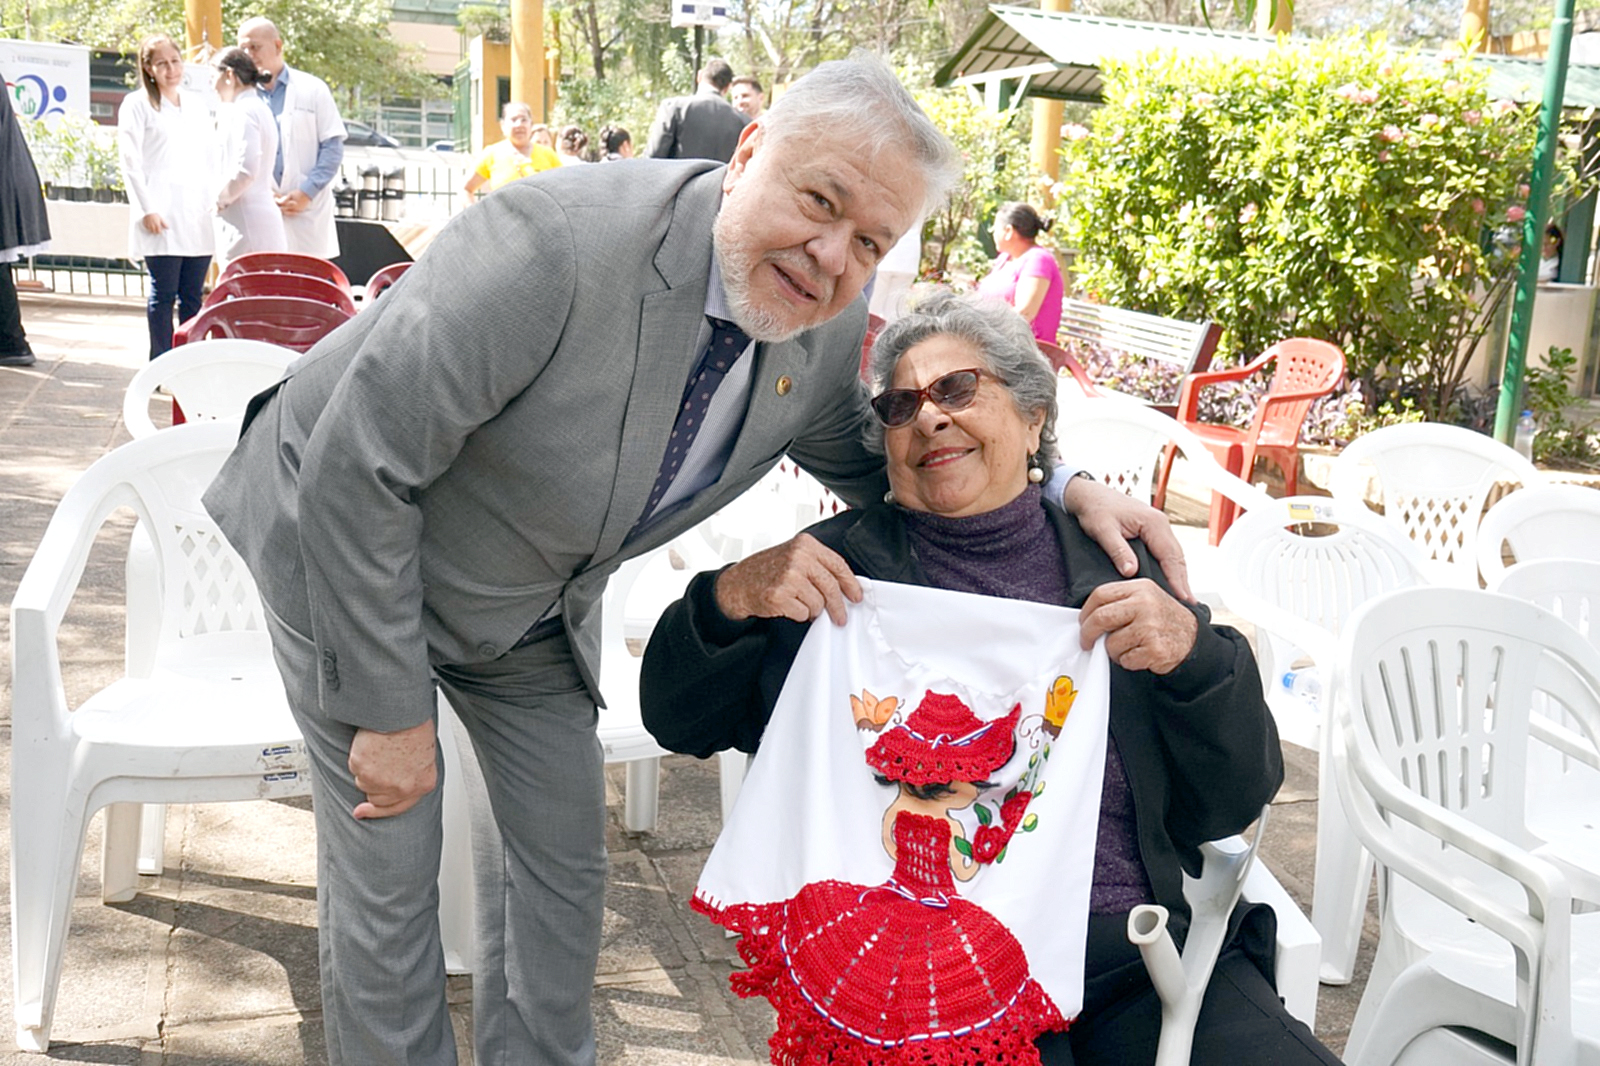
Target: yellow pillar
column 202, row 23
column 527, row 55
column 1475, row 21
column 1047, row 121
column 1274, row 17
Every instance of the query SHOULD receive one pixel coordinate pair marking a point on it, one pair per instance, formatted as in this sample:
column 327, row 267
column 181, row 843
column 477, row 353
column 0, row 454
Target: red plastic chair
column 383, row 277
column 1306, row 369
column 278, row 283
column 286, row 263
column 1061, row 359
column 284, row 320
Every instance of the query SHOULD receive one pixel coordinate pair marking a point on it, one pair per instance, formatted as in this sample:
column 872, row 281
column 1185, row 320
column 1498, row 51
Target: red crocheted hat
column 942, row 740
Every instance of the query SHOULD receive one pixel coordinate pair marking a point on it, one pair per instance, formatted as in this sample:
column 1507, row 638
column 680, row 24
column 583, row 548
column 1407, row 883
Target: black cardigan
column 1199, row 745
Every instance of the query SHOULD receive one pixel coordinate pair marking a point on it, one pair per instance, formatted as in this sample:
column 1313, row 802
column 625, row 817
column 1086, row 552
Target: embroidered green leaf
column 1002, row 856
column 982, row 811
column 963, row 847
column 1030, row 823
column 1033, row 760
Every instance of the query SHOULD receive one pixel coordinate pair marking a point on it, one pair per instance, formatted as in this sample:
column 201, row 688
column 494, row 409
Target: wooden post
column 1475, row 20
column 1046, row 142
column 202, row 23
column 527, row 55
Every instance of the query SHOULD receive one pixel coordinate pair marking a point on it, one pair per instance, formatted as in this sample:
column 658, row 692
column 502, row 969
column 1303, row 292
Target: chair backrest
column 204, row 585
column 384, row 277
column 1539, row 522
column 1299, row 567
column 289, row 263
column 1120, row 441
column 1063, row 360
column 283, row 320
column 1433, row 482
column 1303, row 369
column 211, row 379
column 282, row 283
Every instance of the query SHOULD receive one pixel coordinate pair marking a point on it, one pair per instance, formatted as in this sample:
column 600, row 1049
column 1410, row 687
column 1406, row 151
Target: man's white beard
column 737, row 268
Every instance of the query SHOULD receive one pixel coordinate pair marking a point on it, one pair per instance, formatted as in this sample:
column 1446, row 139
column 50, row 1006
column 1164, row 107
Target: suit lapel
column 670, row 321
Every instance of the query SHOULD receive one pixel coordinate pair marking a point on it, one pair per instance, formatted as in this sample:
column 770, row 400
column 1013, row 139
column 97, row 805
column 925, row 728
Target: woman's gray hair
column 1003, row 339
column 859, row 102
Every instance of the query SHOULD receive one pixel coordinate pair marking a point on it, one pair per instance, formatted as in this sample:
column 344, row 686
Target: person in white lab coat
column 310, row 142
column 164, row 144
column 248, row 211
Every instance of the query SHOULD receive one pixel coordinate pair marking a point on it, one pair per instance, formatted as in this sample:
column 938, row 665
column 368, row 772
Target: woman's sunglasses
column 953, row 392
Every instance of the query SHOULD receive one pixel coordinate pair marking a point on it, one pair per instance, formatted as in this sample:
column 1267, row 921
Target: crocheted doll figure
column 907, row 971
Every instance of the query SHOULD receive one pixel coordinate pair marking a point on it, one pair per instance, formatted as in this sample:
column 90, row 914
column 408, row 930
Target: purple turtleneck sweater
column 1012, row 552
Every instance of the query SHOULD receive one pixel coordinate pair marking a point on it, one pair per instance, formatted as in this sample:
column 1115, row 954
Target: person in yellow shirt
column 515, row 157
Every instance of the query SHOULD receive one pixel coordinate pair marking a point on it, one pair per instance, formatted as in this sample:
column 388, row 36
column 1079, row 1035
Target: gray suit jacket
column 428, row 479
column 702, row 126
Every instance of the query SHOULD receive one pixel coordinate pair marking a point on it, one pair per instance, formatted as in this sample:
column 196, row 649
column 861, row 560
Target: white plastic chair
column 1434, row 481
column 1298, row 590
column 208, row 379
column 1434, row 693
column 1542, row 522
column 203, row 719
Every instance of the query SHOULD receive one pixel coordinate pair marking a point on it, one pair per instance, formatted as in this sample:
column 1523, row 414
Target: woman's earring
column 888, row 497
column 1035, row 474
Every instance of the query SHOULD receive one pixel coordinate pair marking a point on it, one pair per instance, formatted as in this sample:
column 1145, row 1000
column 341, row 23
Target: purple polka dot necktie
column 727, row 342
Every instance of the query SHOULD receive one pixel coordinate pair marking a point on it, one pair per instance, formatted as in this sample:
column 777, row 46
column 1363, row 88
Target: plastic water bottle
column 1523, row 441
column 1303, row 685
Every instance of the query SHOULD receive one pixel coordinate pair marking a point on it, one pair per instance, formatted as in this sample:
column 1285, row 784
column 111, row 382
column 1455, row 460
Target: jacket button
column 784, row 384
column 488, row 651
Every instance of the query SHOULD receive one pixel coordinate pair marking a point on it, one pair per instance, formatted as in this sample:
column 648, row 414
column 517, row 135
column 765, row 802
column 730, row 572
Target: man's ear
column 749, row 140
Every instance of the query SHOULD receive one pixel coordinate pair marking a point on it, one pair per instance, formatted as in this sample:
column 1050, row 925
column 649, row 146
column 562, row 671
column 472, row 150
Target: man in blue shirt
column 310, row 142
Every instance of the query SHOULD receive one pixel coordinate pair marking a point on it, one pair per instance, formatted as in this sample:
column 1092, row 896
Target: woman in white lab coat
column 164, row 140
column 249, row 219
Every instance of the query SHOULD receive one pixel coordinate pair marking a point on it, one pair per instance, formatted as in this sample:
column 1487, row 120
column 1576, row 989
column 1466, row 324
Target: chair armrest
column 1189, row 388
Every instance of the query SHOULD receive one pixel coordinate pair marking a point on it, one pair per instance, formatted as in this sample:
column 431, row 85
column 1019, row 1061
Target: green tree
column 1339, row 191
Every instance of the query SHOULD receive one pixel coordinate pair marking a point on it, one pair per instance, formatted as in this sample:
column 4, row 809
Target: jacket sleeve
column 832, row 449
column 663, row 132
column 709, row 683
column 132, row 125
column 241, row 158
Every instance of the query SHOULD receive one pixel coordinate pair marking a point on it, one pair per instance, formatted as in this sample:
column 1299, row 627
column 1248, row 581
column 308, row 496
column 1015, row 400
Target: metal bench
column 1185, row 345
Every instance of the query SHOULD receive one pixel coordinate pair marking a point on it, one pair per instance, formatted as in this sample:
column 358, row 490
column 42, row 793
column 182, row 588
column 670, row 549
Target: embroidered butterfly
column 872, row 713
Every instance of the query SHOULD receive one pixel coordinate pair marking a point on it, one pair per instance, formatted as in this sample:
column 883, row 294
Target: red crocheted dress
column 907, row 972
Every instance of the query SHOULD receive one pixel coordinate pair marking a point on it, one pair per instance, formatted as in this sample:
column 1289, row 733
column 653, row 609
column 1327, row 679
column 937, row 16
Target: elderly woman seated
column 966, row 407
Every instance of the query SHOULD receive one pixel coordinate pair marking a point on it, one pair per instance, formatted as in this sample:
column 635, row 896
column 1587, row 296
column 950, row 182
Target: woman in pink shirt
column 1025, row 275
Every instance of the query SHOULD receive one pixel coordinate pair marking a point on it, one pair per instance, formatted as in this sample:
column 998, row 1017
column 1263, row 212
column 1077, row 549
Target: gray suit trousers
column 532, row 725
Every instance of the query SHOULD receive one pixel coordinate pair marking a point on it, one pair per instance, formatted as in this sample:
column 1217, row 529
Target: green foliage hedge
column 1336, row 190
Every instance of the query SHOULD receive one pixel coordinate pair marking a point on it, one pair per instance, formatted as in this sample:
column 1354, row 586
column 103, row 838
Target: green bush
column 1560, row 441
column 1336, row 190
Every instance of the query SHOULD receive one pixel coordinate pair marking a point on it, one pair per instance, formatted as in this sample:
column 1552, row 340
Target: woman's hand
column 153, row 223
column 797, row 579
column 1145, row 629
column 1112, row 519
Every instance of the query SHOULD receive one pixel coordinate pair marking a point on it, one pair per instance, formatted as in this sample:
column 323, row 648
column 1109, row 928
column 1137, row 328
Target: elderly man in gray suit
column 437, row 492
column 702, row 126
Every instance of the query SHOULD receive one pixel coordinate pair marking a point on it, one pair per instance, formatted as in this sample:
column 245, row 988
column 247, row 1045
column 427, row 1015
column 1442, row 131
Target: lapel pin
column 784, row 384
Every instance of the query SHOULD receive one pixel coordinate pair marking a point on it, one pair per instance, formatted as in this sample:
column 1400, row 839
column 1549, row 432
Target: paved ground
column 214, row 963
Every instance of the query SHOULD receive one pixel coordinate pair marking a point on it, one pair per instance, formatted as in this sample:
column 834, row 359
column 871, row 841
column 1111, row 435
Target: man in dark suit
column 702, row 126
column 438, row 491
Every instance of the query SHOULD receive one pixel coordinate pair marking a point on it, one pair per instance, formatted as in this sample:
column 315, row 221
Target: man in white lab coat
column 310, row 142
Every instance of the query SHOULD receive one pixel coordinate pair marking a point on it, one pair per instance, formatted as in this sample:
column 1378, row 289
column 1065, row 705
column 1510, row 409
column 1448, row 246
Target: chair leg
column 153, row 840
column 641, row 801
column 48, row 821
column 119, row 853
column 1158, row 498
column 457, row 888
column 1343, row 880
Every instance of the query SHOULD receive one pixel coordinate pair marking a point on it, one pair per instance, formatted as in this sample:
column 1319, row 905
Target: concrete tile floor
column 214, row 962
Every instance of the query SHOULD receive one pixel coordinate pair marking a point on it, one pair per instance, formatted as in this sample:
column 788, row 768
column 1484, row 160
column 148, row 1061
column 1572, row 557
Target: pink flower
column 1429, row 119
column 1074, row 131
column 1247, row 213
column 1385, row 69
column 1522, row 191
column 1347, row 90
column 1452, row 86
column 1472, row 118
column 1501, row 108
column 1515, row 213
column 1477, row 206
column 1204, row 99
column 1383, row 156
column 1391, row 134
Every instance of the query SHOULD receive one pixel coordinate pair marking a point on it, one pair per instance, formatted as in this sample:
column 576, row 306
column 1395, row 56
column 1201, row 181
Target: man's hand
column 292, row 203
column 1145, row 629
column 395, row 770
column 1112, row 519
column 797, row 579
column 153, row 223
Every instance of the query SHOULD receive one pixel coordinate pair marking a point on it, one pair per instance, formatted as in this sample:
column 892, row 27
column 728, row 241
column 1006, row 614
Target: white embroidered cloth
column 811, row 810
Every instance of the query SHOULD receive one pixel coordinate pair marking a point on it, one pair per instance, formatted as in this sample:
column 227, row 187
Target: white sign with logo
column 699, row 12
column 45, row 81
